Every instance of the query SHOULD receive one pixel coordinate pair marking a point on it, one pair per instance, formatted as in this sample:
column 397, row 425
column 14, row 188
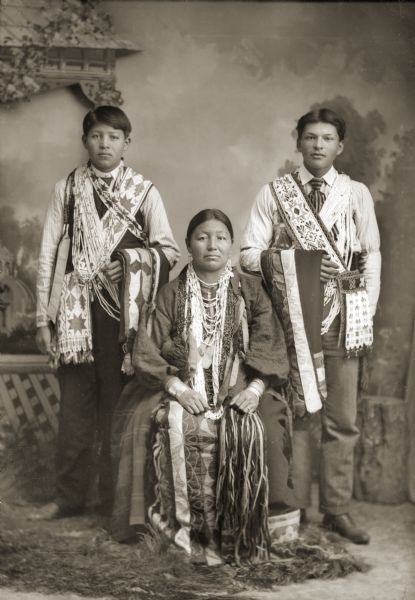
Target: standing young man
column 318, row 224
column 101, row 208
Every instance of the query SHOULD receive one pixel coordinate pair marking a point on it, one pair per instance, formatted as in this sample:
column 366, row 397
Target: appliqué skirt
column 185, row 454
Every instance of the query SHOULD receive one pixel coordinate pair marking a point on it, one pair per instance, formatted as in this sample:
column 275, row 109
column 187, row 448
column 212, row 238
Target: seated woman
column 212, row 375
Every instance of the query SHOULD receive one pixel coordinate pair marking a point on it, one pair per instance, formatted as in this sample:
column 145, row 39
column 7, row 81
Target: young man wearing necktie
column 102, row 210
column 318, row 216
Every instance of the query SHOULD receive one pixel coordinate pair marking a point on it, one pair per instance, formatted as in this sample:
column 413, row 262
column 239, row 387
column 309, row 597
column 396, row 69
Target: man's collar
column 306, row 176
column 107, row 174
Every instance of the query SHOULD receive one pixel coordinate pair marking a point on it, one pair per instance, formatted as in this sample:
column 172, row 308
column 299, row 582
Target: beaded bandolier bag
column 93, row 242
column 291, row 270
column 346, row 294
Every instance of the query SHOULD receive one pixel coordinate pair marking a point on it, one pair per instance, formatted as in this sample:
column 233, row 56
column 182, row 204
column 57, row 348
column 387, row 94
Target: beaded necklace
column 92, row 248
column 208, row 316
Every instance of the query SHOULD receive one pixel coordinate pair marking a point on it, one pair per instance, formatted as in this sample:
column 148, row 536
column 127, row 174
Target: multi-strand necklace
column 211, row 313
column 208, row 312
column 92, row 244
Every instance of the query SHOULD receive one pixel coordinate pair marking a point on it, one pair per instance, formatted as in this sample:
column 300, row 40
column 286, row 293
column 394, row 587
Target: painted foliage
column 214, row 97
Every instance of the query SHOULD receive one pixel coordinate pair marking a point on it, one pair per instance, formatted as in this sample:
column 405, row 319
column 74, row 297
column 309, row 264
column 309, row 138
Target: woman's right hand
column 193, row 402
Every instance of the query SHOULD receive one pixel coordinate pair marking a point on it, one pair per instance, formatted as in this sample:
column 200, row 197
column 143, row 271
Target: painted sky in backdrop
column 214, row 97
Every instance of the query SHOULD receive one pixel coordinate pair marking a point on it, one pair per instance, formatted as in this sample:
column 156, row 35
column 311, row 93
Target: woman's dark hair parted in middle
column 208, row 214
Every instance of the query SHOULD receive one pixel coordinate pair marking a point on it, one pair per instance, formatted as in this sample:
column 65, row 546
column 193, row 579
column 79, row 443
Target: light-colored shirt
column 107, row 174
column 156, row 226
column 258, row 233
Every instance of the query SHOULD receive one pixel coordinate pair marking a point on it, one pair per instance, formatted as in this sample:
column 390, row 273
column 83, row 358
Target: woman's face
column 210, row 246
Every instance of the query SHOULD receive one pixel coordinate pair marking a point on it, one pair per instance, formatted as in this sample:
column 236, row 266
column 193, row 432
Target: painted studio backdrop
column 213, row 90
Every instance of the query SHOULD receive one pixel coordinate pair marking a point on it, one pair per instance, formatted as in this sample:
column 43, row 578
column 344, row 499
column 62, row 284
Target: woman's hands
column 192, row 401
column 246, row 401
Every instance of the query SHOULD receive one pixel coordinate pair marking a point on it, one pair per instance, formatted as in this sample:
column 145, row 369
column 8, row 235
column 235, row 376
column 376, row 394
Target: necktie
column 318, row 198
column 316, row 195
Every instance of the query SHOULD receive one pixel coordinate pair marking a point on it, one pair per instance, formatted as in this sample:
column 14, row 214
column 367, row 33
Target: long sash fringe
column 242, row 488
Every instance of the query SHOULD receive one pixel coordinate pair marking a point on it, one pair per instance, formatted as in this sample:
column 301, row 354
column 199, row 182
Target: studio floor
column 391, row 556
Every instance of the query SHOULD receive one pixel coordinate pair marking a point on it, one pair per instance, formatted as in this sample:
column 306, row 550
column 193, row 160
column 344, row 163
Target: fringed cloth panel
column 186, row 464
column 214, row 516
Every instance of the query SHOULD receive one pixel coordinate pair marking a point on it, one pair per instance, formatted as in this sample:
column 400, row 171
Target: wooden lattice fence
column 29, row 395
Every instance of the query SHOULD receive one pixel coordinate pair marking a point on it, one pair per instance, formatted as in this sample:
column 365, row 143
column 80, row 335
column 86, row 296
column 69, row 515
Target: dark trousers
column 89, row 393
column 278, row 451
column 339, row 437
